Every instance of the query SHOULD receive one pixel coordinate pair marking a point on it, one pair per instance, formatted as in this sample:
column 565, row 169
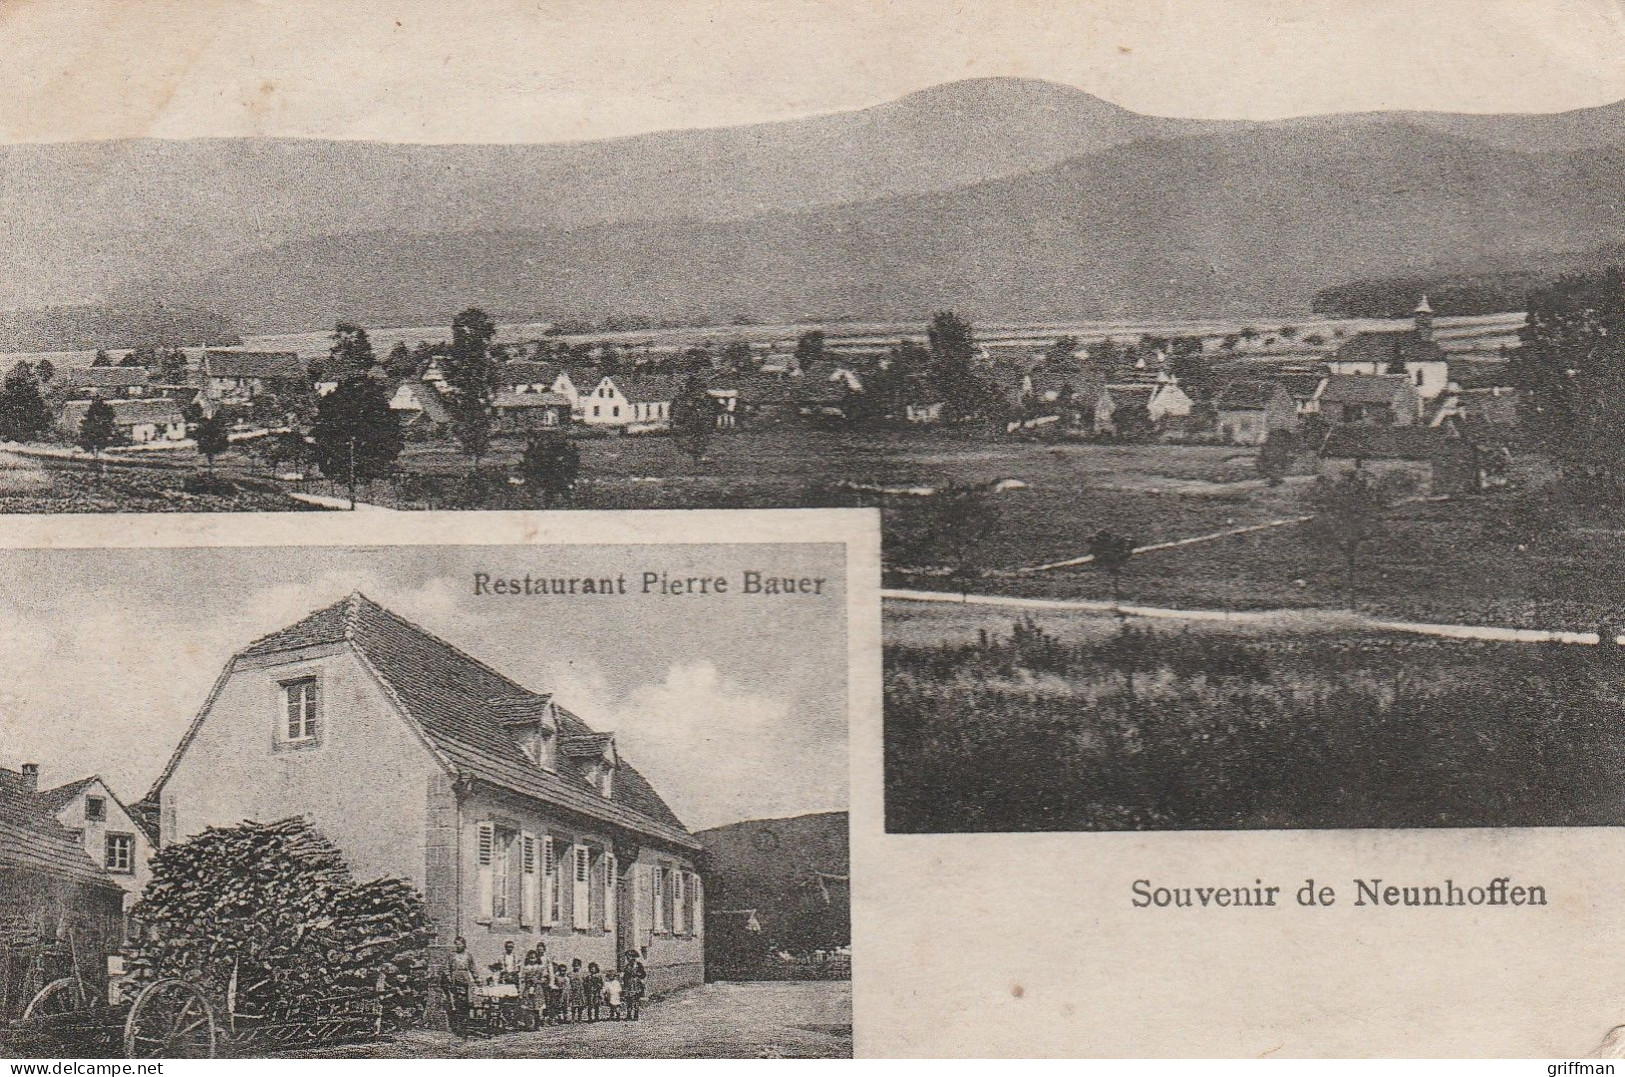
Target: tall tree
column 1571, row 365
column 952, row 342
column 1274, row 459
column 23, row 412
column 1349, row 515
column 1112, row 553
column 550, row 467
column 212, row 437
column 809, row 348
column 97, row 430
column 45, row 370
column 471, row 376
column 356, row 437
column 350, row 353
column 694, row 417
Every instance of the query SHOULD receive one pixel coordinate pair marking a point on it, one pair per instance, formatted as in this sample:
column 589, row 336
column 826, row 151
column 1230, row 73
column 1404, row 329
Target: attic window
column 95, row 809
column 538, row 745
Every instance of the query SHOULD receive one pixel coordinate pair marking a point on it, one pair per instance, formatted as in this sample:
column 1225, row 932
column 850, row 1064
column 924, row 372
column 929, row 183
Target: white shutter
column 527, row 880
column 611, row 893
column 550, row 883
column 659, row 875
column 487, row 843
column 678, row 927
column 640, row 902
column 581, row 887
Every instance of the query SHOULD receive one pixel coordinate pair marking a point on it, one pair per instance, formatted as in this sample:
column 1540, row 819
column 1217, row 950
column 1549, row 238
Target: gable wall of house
column 94, row 834
column 364, row 782
column 605, row 405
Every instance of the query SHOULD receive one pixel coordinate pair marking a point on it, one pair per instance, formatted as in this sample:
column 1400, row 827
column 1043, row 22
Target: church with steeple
column 1412, row 352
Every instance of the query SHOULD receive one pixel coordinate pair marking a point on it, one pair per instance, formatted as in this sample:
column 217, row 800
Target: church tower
column 1423, row 319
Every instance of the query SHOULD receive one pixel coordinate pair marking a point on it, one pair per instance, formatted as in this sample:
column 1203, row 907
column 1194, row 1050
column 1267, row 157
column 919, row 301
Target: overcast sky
column 509, row 71
column 109, row 654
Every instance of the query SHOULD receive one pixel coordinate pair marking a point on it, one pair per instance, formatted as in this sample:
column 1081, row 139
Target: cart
column 493, row 1008
column 188, row 1018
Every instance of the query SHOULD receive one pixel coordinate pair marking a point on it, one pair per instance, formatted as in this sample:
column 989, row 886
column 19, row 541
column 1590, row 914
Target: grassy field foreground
column 1020, row 730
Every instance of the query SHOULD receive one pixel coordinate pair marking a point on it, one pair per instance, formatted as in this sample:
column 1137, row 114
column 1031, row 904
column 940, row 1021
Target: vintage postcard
column 1235, row 385
column 454, row 788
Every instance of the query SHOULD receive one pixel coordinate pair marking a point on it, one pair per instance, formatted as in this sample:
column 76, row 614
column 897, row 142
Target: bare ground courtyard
column 717, row 1020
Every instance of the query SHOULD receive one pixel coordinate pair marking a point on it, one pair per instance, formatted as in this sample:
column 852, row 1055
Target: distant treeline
column 1497, row 286
column 83, row 328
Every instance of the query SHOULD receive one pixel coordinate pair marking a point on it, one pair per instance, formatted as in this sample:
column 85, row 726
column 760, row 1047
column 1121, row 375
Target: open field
column 1300, row 728
column 30, row 485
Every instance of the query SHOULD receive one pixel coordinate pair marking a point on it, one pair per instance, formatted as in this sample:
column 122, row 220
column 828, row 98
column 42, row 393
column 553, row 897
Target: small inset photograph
column 425, row 801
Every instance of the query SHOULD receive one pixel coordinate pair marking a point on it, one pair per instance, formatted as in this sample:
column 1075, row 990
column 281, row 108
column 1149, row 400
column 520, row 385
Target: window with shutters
column 552, row 883
column 528, row 891
column 581, row 889
column 503, row 877
column 301, row 712
column 612, row 889
column 668, row 912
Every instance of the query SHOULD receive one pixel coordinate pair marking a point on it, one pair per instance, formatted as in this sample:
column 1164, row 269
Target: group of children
column 561, row 996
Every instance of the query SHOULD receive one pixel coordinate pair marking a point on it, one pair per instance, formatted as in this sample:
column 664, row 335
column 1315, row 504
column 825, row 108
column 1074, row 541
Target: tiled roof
column 460, row 704
column 99, row 377
column 1248, row 395
column 1367, row 389
column 649, row 390
column 1384, row 346
column 31, row 838
column 428, row 400
column 126, row 412
column 530, row 400
column 56, row 799
column 144, row 813
column 585, row 745
column 224, row 363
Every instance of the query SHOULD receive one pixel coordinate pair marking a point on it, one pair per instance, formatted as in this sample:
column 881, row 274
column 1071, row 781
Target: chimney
column 31, row 777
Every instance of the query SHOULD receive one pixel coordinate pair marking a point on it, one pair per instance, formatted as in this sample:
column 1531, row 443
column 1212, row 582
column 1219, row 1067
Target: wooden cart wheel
column 58, row 996
column 170, row 1019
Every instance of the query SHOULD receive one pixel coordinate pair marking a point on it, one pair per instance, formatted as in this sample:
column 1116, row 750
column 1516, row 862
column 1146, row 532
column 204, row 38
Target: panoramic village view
column 1233, row 473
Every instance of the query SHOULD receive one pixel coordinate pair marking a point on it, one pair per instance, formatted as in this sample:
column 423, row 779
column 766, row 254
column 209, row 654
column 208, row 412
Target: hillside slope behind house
column 788, row 877
column 1254, row 222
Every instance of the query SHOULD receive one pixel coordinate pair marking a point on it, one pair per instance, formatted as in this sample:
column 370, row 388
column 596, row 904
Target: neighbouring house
column 1169, row 404
column 523, row 376
column 1250, row 409
column 779, row 887
column 1368, row 400
column 1061, row 396
column 515, row 820
column 630, row 403
column 1304, row 388
column 420, row 406
column 764, row 399
column 238, row 375
column 106, row 382
column 1126, row 409
column 1411, row 352
column 59, row 910
column 1426, row 461
column 112, row 835
column 139, row 422
column 525, row 413
column 922, row 403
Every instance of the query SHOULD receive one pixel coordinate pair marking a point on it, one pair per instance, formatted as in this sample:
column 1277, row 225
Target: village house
column 516, row 821
column 1061, row 396
column 1140, row 407
column 103, row 382
column 1410, row 352
column 1368, row 400
column 112, row 835
column 1415, row 458
column 236, row 376
column 139, row 422
column 522, row 376
column 1250, row 409
column 58, row 909
column 922, row 402
column 631, row 404
column 419, row 406
column 528, row 412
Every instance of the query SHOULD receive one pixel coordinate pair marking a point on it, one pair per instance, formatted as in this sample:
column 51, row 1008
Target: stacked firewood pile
column 270, row 915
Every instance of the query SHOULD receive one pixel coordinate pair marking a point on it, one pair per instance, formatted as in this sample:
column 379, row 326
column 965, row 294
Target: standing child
column 612, row 994
column 577, row 991
column 633, row 977
column 593, row 987
column 555, row 994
